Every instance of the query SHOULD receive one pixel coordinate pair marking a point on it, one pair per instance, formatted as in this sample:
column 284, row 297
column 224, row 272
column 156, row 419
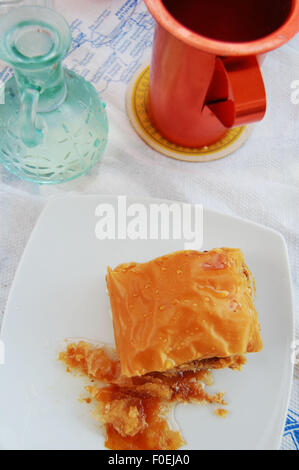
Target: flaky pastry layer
column 183, row 307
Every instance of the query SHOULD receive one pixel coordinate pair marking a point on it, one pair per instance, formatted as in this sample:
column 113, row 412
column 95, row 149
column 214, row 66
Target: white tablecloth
column 260, row 182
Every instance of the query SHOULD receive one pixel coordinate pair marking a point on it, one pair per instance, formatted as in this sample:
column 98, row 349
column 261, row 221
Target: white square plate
column 59, row 292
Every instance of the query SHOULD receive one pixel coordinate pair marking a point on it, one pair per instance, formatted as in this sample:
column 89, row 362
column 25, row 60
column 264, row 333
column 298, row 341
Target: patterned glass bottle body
column 53, row 126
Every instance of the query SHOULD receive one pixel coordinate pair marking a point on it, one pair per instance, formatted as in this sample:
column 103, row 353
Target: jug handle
column 237, row 93
column 31, row 134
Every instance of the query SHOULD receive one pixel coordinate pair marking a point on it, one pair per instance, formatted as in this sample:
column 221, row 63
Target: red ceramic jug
column 205, row 76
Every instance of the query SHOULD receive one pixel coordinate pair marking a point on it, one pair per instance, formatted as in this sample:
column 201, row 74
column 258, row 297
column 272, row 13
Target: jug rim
column 259, row 46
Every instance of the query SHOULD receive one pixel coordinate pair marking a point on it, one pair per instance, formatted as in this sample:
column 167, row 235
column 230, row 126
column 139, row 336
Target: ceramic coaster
column 136, row 99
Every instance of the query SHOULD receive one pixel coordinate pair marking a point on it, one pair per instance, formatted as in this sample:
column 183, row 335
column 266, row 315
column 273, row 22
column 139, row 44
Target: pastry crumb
column 84, row 400
column 134, row 409
column 221, row 412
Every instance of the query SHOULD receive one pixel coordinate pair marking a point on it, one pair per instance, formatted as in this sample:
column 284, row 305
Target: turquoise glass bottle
column 53, row 125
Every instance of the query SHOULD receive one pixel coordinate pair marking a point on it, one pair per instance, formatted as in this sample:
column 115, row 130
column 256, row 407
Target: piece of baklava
column 184, row 310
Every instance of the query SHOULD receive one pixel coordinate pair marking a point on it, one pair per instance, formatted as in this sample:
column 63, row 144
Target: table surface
column 260, row 182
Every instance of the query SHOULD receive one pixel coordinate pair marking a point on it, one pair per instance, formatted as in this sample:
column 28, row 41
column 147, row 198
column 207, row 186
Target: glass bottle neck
column 48, row 82
column 34, row 40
